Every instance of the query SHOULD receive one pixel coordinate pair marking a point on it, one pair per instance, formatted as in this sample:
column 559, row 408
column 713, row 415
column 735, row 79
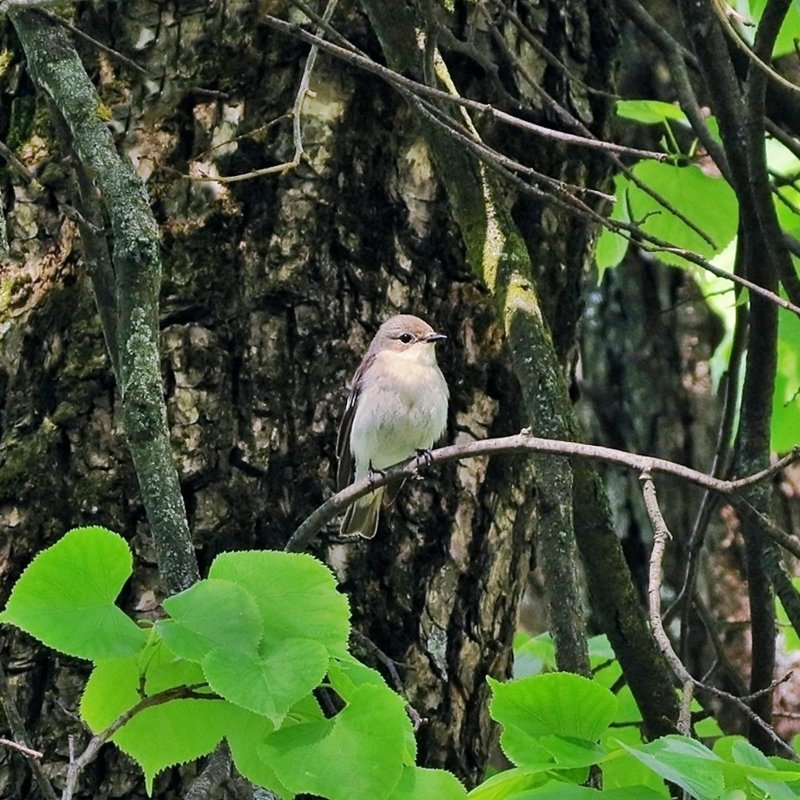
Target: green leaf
column 268, row 685
column 210, row 614
column 295, row 593
column 556, row 790
column 65, row 598
column 568, row 753
column 560, row 703
column 172, row 733
column 506, row 784
column 745, row 766
column 348, row 674
column 245, row 732
column 160, row 736
column 612, row 246
column 686, row 762
column 708, row 201
column 621, row 769
column 417, row 783
column 650, row 112
column 357, row 755
column 785, row 431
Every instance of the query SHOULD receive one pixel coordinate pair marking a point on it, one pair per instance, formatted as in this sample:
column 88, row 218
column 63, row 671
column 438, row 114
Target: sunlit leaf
column 65, row 598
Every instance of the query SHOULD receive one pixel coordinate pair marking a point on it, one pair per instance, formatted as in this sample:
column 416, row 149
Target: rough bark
column 271, row 290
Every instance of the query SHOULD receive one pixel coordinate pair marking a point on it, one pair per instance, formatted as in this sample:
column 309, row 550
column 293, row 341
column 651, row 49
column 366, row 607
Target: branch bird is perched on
column 397, row 406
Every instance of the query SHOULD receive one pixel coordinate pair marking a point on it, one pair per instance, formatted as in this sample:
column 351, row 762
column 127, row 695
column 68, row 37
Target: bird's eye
column 406, row 338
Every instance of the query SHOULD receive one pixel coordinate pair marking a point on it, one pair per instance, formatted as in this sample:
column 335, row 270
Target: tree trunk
column 272, row 288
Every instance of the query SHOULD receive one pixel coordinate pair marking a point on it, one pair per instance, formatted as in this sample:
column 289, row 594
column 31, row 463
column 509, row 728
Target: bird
column 397, row 407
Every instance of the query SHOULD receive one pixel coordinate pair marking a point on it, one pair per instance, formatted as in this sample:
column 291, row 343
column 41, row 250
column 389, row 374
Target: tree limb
column 59, row 74
column 524, row 442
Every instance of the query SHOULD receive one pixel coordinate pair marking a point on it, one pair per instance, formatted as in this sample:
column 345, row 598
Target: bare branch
column 661, row 535
column 430, row 92
column 688, row 682
column 524, row 442
column 21, row 748
column 17, row 727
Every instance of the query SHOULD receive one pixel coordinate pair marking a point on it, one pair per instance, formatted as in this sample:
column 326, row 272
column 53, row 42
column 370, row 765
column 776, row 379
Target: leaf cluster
column 241, row 656
column 244, row 654
column 689, row 188
column 558, row 727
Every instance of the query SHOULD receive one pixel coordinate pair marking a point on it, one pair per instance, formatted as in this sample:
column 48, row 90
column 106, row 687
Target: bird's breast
column 402, row 409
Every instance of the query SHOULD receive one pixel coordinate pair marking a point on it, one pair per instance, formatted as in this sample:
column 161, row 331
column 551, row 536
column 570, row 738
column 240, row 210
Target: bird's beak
column 435, row 337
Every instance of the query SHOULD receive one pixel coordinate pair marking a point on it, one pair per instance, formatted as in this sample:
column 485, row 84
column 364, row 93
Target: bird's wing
column 344, row 472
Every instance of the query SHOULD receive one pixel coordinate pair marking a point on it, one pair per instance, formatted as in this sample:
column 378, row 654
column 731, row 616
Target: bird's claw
column 373, row 473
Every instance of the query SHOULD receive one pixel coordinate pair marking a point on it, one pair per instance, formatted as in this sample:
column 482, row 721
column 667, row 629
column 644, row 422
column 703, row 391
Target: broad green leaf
column 356, row 755
column 347, row 675
column 506, row 784
column 708, row 201
column 612, row 246
column 65, row 598
column 159, row 736
column 785, row 428
column 621, row 769
column 245, row 732
column 268, row 685
column 295, row 593
column 568, row 753
column 173, row 733
column 650, row 112
column 685, row 762
column 417, row 783
column 556, row 790
column 116, row 685
column 561, row 703
column 210, row 614
column 112, row 688
column 745, row 766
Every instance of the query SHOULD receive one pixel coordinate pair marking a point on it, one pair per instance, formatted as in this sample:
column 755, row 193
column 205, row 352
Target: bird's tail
column 362, row 516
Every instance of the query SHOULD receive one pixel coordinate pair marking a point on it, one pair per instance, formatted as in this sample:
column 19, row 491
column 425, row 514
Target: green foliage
column 241, row 654
column 708, row 201
column 556, row 725
column 65, row 598
column 238, row 658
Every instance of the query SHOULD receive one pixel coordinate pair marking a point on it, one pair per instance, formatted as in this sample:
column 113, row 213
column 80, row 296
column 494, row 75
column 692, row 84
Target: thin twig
column 297, row 120
column 420, row 89
column 17, row 727
column 21, row 748
column 94, row 42
column 79, row 763
column 661, row 536
column 689, row 683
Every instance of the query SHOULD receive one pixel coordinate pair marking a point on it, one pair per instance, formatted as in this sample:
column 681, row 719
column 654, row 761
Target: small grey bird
column 397, row 406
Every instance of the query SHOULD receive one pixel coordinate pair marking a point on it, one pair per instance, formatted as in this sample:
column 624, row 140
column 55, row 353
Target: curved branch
column 524, row 442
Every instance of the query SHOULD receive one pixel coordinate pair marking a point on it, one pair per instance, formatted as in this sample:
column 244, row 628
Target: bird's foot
column 373, row 473
column 424, row 457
